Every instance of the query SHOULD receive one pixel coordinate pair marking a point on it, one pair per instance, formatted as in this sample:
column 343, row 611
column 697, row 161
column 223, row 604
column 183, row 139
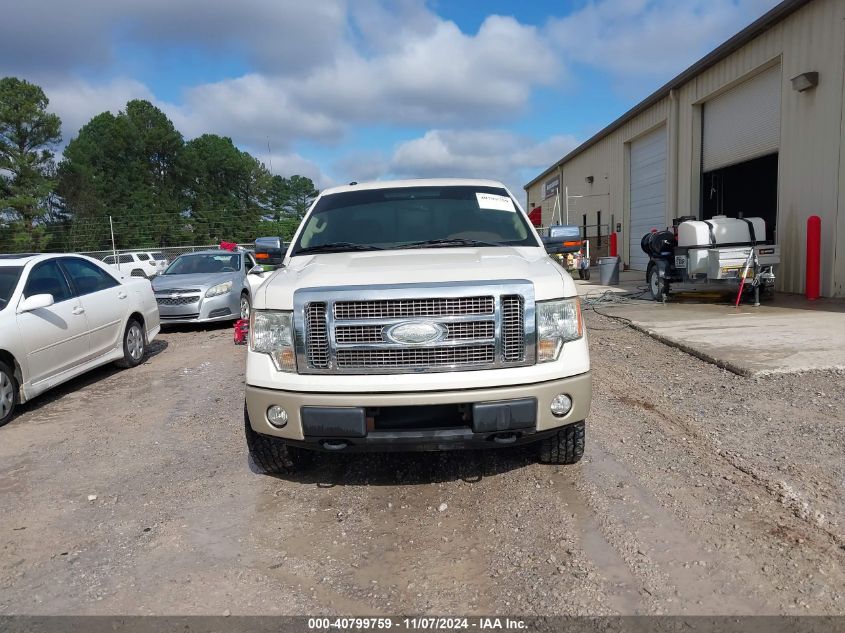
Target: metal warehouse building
column 755, row 128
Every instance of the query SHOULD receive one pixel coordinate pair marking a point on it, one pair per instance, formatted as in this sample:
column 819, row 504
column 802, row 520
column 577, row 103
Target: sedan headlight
column 271, row 333
column 557, row 322
column 219, row 289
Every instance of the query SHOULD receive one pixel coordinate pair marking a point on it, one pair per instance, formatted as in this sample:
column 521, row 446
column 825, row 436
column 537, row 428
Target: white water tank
column 696, row 233
column 725, row 231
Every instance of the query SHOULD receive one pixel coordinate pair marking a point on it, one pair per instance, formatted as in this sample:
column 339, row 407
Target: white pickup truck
column 415, row 315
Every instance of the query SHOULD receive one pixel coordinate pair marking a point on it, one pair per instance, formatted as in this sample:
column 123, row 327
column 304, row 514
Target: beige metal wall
column 811, row 174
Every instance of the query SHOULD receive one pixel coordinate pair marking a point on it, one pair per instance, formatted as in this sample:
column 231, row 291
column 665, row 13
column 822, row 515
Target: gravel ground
column 701, row 492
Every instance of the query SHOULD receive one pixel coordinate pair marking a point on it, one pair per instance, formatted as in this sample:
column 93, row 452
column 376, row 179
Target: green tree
column 125, row 166
column 28, row 134
column 226, row 190
column 291, row 196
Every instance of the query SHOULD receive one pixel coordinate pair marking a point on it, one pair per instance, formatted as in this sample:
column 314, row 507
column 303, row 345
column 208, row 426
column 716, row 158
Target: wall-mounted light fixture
column 589, row 180
column 805, row 81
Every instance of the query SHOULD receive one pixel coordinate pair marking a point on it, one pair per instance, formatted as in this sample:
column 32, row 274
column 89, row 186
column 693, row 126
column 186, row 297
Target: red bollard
column 613, row 238
column 814, row 257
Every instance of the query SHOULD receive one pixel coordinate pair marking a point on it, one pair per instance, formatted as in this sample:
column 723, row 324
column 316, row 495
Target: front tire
column 134, row 345
column 8, row 394
column 246, row 306
column 564, row 447
column 271, row 455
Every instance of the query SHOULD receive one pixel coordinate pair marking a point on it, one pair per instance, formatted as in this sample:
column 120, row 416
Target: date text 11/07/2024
column 416, row 623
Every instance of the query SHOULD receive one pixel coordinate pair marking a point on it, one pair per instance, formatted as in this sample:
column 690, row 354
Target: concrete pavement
column 789, row 334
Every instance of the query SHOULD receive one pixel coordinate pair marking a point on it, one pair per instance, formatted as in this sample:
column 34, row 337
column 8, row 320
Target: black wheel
column 8, row 393
column 587, row 274
column 134, row 345
column 564, row 447
column 271, row 455
column 658, row 287
column 245, row 305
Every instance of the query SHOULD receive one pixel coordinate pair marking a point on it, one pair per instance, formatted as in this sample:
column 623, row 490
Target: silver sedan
column 207, row 286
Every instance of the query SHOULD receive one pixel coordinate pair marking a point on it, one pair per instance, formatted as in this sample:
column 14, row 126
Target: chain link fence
column 170, row 252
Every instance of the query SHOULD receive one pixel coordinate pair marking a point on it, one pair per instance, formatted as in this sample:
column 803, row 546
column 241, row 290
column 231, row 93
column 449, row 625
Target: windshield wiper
column 445, row 243
column 336, row 247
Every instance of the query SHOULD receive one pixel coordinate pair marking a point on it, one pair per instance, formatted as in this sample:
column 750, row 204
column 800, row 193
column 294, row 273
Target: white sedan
column 62, row 315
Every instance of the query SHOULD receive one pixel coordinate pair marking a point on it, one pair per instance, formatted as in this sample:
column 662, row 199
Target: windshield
column 9, row 276
column 408, row 217
column 204, row 263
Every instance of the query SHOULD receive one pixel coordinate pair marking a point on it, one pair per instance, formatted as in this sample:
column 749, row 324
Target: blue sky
column 360, row 89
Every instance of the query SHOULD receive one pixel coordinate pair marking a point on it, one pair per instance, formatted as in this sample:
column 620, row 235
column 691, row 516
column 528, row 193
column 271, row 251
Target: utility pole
column 113, row 249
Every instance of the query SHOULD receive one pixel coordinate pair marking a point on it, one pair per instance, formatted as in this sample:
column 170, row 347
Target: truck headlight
column 271, row 333
column 558, row 321
column 219, row 289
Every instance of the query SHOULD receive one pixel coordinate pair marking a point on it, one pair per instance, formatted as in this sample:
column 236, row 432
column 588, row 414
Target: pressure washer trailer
column 711, row 255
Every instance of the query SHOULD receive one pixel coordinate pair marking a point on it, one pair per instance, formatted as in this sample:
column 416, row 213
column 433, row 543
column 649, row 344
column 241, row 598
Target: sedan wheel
column 244, row 306
column 135, row 342
column 8, row 394
column 134, row 345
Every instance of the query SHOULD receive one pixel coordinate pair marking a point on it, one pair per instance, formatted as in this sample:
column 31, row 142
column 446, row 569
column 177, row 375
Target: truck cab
column 415, row 315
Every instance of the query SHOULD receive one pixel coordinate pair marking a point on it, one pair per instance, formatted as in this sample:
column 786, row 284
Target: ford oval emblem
column 416, row 332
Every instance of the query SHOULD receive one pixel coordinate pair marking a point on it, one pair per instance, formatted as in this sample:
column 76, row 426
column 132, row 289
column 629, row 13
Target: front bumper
column 344, row 436
column 207, row 310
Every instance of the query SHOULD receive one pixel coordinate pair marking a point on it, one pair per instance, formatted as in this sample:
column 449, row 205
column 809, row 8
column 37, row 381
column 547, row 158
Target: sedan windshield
column 9, row 276
column 204, row 263
column 414, row 217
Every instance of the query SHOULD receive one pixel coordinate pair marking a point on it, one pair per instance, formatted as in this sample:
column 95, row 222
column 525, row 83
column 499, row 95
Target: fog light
column 277, row 416
column 561, row 405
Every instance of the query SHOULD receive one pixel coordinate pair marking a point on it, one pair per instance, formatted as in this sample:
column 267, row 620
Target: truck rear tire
column 564, row 447
column 271, row 455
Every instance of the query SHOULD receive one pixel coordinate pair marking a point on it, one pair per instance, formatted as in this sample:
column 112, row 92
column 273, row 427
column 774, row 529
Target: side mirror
column 256, row 270
column 270, row 250
column 35, row 302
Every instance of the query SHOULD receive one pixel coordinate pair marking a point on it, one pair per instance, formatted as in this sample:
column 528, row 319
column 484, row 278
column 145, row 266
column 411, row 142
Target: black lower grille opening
column 419, row 418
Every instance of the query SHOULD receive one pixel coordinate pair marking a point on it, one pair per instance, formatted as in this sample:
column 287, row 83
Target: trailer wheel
column 658, row 287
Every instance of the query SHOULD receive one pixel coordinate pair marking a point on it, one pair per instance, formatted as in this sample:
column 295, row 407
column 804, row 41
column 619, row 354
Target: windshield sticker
column 492, row 201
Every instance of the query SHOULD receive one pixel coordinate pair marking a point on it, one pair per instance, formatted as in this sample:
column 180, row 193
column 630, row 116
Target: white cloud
column 289, row 164
column 641, row 41
column 438, row 76
column 480, row 153
column 76, row 101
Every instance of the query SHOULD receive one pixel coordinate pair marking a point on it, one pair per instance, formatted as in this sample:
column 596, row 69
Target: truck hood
column 419, row 266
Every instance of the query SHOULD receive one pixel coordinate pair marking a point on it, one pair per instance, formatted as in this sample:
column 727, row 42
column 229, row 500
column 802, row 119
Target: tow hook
column 504, row 438
column 334, row 445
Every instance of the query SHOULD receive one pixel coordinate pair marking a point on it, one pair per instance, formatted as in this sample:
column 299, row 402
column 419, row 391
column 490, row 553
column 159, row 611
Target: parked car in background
column 62, row 315
column 212, row 285
column 137, row 264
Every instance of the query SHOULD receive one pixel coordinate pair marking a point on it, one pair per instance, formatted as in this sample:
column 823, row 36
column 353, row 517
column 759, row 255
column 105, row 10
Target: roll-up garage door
column 743, row 123
column 648, row 192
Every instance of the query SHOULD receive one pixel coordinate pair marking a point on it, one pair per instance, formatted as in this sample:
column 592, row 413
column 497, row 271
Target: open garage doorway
column 747, row 189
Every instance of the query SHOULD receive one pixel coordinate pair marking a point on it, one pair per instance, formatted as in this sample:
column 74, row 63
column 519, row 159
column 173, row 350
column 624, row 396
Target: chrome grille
column 470, row 330
column 317, row 333
column 513, row 328
column 398, row 308
column 482, row 325
column 413, row 358
column 460, row 331
column 359, row 334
